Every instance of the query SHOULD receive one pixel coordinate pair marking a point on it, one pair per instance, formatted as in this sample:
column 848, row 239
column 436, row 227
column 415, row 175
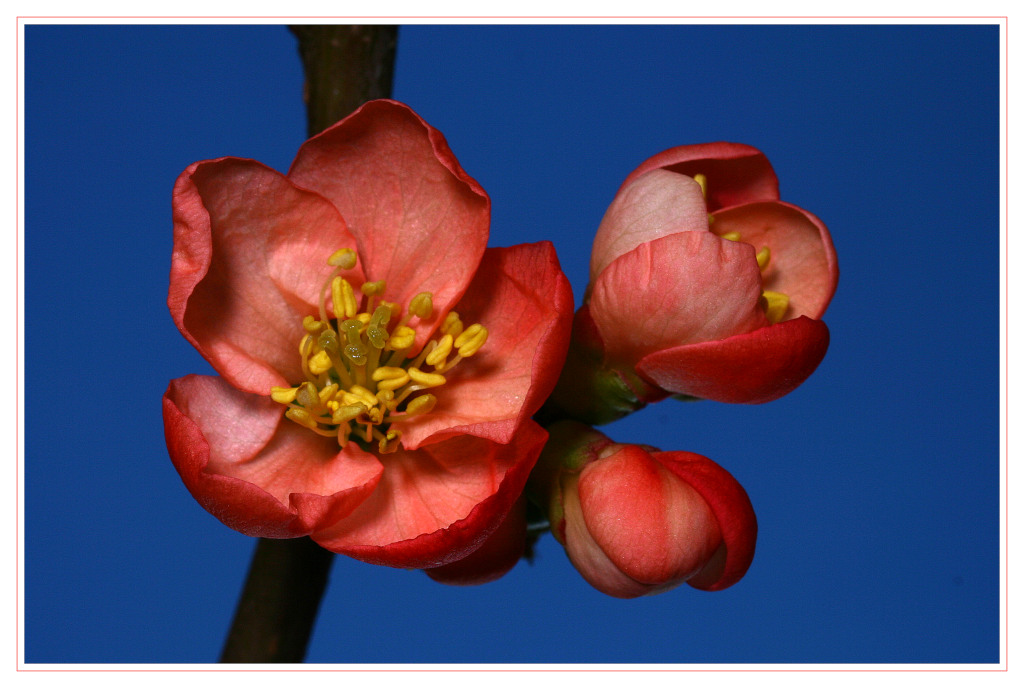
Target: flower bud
column 637, row 521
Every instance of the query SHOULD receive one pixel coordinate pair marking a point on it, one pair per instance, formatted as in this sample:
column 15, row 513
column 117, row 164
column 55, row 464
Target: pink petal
column 749, row 368
column 257, row 473
column 731, row 507
column 586, row 554
column 524, row 300
column 680, row 289
column 653, row 205
column 437, row 504
column 421, row 221
column 736, row 173
column 250, row 251
column 653, row 526
column 803, row 261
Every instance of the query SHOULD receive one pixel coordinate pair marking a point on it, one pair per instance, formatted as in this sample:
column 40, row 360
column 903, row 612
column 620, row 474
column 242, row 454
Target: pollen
column 361, row 372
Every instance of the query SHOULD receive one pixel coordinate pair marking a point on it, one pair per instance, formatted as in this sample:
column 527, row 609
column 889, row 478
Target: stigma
column 361, row 373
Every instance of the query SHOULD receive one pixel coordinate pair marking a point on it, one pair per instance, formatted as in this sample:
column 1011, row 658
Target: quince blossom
column 703, row 284
column 378, row 365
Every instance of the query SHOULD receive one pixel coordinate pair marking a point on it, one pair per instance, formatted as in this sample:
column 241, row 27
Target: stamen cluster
column 361, row 373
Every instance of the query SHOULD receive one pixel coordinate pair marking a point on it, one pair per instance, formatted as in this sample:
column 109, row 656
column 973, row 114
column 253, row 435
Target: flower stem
column 345, row 66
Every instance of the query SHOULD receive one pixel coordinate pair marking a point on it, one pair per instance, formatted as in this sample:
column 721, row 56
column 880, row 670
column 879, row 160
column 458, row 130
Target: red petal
column 679, row 289
column 494, row 558
column 653, row 526
column 736, row 173
column 524, row 300
column 250, row 254
column 421, row 221
column 653, row 205
column 729, row 503
column 746, row 369
column 437, row 504
column 256, row 473
column 803, row 261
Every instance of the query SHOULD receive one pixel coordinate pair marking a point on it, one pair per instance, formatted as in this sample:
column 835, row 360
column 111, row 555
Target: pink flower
column 378, row 364
column 637, row 521
column 703, row 284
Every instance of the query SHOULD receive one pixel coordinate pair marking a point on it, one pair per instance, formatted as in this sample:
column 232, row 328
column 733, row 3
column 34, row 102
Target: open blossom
column 378, row 365
column 637, row 521
column 703, row 284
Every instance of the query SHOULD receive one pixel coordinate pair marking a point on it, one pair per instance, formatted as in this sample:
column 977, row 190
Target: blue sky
column 876, row 483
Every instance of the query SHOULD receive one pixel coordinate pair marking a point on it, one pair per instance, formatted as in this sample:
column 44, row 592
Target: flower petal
column 749, row 368
column 524, row 300
column 257, row 474
column 653, row 205
column 736, row 173
column 250, row 252
column 803, row 261
column 494, row 558
column 422, row 223
column 732, row 509
column 437, row 504
column 680, row 289
column 654, row 527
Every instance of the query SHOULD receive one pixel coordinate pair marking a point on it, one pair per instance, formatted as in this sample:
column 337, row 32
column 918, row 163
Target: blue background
column 876, row 483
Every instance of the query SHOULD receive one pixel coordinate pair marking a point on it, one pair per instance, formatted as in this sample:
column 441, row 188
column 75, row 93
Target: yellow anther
column 344, row 297
column 361, row 394
column 312, row 325
column 344, row 258
column 440, row 353
column 283, row 395
column 422, row 404
column 372, row 288
column 703, row 181
column 320, row 363
column 470, row 341
column 426, row 379
column 327, row 393
column 390, row 378
column 301, row 417
column 344, row 414
column 386, row 396
column 763, row 256
column 452, row 324
column 402, row 338
column 775, row 305
column 422, row 305
column 731, row 236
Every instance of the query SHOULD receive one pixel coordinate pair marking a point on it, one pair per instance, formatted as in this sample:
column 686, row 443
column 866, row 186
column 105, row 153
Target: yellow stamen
column 763, row 256
column 422, row 305
column 440, row 352
column 470, row 341
column 283, row 395
column 731, row 236
column 402, row 338
column 344, row 298
column 390, row 378
column 422, row 404
column 775, row 305
column 703, row 181
column 344, row 258
column 452, row 324
column 425, row 380
column 320, row 363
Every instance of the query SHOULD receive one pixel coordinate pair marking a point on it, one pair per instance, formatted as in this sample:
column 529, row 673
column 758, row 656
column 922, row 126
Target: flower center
column 774, row 303
column 361, row 374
